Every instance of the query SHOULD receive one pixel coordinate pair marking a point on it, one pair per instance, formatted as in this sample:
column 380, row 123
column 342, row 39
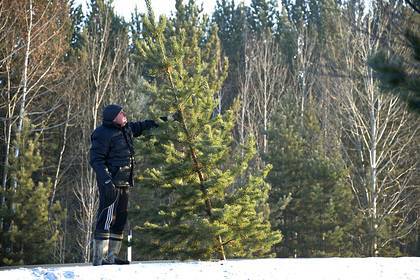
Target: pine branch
column 413, row 6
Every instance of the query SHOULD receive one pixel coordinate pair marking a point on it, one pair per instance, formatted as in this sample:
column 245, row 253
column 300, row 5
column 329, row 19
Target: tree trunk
column 24, row 80
column 60, row 157
column 373, row 166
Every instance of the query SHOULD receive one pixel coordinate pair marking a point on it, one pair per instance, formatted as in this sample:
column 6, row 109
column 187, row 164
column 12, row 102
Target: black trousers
column 112, row 215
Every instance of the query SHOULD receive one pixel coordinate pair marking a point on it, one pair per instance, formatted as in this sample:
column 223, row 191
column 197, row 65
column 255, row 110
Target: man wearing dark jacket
column 112, row 159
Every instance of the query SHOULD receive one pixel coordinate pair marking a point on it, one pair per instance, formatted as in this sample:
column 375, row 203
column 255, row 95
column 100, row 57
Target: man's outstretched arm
column 140, row 126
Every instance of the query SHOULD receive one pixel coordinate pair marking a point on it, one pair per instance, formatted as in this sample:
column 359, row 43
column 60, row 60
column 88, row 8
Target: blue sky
column 125, row 7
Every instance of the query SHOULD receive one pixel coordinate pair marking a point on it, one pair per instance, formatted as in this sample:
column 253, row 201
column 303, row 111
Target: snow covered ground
column 282, row 269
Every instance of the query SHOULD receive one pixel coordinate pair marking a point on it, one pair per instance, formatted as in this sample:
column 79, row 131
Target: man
column 112, row 159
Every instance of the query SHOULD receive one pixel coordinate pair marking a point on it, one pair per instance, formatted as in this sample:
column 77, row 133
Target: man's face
column 121, row 119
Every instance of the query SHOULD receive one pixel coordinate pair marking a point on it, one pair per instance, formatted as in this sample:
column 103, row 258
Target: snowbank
column 284, row 269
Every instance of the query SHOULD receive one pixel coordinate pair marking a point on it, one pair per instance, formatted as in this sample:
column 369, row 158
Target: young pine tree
column 197, row 201
column 29, row 231
column 317, row 218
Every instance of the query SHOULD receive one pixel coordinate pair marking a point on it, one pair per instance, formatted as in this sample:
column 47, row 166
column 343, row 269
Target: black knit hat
column 110, row 112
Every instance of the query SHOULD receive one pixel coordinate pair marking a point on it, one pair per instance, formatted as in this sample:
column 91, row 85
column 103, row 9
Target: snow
column 282, row 269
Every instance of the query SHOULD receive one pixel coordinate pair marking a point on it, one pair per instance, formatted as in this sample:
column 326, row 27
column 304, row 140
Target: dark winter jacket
column 112, row 151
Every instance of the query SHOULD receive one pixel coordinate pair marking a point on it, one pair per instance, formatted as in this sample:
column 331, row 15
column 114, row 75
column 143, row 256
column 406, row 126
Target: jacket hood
column 109, row 113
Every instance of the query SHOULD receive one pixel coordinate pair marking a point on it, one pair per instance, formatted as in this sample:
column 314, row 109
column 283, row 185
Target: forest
column 298, row 134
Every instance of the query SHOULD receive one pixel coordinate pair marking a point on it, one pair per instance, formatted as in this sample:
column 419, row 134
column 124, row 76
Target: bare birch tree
column 33, row 42
column 378, row 132
column 262, row 84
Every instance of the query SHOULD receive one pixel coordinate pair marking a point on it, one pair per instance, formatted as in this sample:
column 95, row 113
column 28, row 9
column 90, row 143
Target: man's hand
column 177, row 116
column 110, row 192
column 174, row 117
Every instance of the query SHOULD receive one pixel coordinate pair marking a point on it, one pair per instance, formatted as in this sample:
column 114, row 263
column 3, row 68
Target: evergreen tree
column 310, row 201
column 199, row 200
column 136, row 26
column 232, row 31
column 262, row 16
column 286, row 37
column 32, row 230
column 399, row 74
column 76, row 14
column 319, row 16
column 231, row 21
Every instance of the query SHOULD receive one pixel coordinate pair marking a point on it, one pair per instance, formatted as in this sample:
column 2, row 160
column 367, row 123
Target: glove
column 174, row 117
column 177, row 116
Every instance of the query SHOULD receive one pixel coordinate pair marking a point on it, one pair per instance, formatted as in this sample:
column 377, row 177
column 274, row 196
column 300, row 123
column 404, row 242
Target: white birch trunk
column 60, row 157
column 24, row 80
